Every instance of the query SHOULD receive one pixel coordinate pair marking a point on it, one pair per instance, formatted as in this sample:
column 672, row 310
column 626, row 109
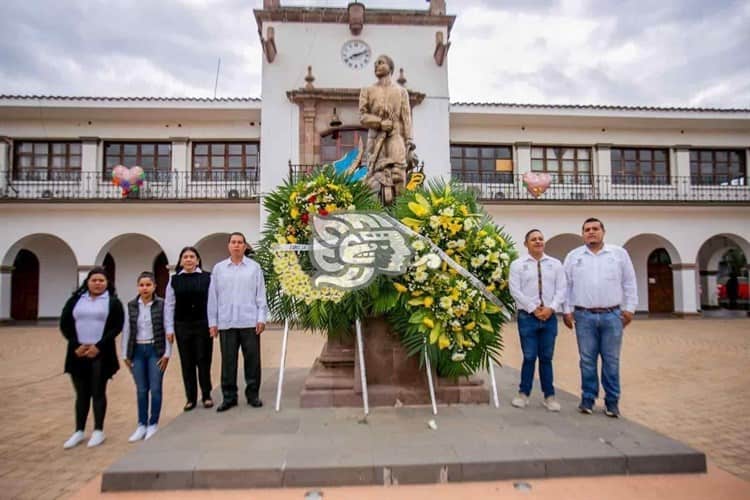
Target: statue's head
column 384, row 65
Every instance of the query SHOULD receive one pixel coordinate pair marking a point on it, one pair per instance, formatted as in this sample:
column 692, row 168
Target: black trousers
column 90, row 385
column 196, row 348
column 232, row 340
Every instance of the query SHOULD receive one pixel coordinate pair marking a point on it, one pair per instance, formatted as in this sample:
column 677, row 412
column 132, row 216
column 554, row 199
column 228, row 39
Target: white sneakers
column 551, row 404
column 151, row 430
column 74, row 440
column 140, row 433
column 97, row 438
column 520, row 401
column 143, row 432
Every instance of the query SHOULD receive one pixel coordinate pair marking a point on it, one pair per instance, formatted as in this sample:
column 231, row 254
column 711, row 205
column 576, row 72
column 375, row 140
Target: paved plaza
column 683, row 378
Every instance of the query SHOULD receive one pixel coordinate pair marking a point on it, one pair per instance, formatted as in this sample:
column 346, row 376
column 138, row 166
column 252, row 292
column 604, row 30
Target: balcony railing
column 159, row 186
column 502, row 187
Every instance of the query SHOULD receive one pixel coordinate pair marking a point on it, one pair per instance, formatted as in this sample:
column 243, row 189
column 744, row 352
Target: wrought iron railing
column 489, row 187
column 158, row 186
column 502, row 186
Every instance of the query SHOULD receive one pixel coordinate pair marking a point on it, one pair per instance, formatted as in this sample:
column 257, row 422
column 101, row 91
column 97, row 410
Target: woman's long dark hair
column 85, row 285
column 178, row 267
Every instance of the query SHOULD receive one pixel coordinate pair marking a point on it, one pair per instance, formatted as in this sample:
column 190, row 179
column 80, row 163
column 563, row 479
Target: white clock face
column 355, row 54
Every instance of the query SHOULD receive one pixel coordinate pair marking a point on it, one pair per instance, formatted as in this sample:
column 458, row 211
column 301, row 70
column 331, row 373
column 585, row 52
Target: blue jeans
column 148, row 378
column 599, row 334
column 537, row 341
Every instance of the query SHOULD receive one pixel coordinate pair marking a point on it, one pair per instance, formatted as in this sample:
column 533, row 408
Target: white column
column 180, row 167
column 521, row 163
column 5, row 276
column 602, row 170
column 523, row 158
column 681, row 172
column 91, row 173
column 4, row 164
column 685, row 289
column 603, row 160
column 710, row 292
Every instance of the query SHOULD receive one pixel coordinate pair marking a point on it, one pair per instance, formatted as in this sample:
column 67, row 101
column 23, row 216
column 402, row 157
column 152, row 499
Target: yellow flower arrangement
column 455, row 322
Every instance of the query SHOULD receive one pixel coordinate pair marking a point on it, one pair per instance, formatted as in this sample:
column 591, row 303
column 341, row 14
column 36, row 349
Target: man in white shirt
column 537, row 284
column 601, row 300
column 237, row 312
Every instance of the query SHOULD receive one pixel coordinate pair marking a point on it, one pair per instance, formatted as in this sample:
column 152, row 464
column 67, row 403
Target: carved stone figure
column 385, row 110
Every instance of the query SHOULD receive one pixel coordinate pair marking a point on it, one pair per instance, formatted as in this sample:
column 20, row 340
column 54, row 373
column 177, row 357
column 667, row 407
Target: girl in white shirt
column 146, row 352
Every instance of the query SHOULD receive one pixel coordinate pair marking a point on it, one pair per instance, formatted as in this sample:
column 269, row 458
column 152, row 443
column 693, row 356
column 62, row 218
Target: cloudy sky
column 629, row 52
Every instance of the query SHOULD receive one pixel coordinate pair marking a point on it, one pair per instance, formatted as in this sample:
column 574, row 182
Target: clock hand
column 359, row 54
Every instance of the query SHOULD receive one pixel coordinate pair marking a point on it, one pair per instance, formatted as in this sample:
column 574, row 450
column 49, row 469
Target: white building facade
column 670, row 184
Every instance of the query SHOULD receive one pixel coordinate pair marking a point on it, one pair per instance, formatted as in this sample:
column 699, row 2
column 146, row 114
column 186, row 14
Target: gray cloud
column 672, row 52
column 127, row 47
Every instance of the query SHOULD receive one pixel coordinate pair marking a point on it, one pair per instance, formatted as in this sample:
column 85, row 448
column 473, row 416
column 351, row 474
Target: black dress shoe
column 255, row 402
column 225, row 405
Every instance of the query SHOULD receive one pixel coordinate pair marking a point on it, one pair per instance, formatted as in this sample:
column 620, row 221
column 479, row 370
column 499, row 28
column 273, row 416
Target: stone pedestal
column 392, row 377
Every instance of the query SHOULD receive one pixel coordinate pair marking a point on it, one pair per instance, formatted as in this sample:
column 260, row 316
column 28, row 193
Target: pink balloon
column 135, row 174
column 120, row 172
column 536, row 184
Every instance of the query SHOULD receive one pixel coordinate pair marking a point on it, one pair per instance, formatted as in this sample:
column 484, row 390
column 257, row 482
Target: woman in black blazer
column 90, row 321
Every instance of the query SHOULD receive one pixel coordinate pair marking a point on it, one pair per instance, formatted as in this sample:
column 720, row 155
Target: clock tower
column 316, row 59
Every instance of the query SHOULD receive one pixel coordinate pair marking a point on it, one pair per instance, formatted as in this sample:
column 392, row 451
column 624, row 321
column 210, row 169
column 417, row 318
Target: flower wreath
column 288, row 273
column 438, row 309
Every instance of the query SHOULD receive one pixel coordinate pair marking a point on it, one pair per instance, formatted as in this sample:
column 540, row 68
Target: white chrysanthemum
column 446, row 302
column 478, row 260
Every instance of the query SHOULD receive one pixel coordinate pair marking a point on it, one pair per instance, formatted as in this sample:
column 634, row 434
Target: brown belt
column 597, row 310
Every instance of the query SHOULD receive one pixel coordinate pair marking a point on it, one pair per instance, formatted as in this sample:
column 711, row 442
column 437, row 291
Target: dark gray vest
column 157, row 323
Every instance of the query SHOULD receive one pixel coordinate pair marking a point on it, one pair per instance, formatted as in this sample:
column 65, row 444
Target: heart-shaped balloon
column 536, row 184
column 136, row 176
column 119, row 174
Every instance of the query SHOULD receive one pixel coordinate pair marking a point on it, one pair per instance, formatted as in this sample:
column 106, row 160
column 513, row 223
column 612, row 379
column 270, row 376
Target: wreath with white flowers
column 438, row 310
column 291, row 293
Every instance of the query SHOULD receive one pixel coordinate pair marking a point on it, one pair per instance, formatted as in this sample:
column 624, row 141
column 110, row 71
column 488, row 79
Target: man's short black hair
column 592, row 219
column 237, row 233
column 526, row 238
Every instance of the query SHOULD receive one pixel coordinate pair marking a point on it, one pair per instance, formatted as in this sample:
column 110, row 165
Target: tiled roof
column 599, row 107
column 130, row 99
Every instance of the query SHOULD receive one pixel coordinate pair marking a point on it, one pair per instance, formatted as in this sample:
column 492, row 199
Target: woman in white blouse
column 90, row 321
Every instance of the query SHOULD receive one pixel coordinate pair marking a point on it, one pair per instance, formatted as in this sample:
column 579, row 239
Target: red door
column 24, row 287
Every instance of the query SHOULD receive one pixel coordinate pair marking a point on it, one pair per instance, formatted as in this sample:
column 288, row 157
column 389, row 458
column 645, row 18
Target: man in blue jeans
column 601, row 300
column 537, row 284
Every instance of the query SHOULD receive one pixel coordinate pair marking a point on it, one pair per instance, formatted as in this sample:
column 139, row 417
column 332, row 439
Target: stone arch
column 640, row 247
column 710, row 253
column 213, row 249
column 58, row 273
column 559, row 245
column 132, row 254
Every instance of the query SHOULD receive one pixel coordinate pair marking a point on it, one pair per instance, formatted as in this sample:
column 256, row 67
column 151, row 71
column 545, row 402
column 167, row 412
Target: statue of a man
column 384, row 109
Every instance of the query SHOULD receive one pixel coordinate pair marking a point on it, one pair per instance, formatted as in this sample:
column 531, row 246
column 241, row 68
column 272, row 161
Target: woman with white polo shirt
column 90, row 321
